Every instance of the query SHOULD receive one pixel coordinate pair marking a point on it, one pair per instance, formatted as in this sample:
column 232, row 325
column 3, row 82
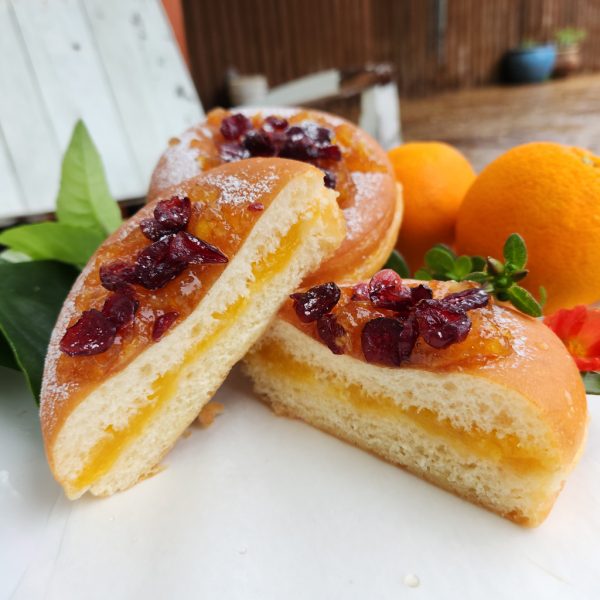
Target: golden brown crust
column 370, row 198
column 220, row 197
column 540, row 368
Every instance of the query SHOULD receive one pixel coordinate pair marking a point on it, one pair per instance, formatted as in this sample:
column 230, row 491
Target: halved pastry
column 167, row 305
column 472, row 396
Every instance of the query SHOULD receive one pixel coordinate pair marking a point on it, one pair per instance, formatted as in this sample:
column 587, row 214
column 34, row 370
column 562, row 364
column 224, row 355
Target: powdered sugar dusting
column 366, row 187
column 237, row 190
column 180, row 161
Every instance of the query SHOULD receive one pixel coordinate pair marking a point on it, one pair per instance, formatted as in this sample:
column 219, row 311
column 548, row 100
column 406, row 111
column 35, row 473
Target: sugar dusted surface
column 237, row 189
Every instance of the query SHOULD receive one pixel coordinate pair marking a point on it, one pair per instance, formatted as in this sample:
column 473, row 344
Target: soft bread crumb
column 329, row 393
column 209, row 413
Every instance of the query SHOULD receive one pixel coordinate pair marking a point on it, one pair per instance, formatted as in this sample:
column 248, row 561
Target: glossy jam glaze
column 489, row 336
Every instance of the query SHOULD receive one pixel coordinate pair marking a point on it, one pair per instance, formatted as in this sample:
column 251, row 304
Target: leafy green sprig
column 85, row 210
column 500, row 279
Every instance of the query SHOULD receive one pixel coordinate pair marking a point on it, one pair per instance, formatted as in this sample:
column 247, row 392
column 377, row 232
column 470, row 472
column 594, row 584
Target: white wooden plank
column 131, row 87
column 173, row 91
column 11, row 196
column 33, row 148
column 73, row 84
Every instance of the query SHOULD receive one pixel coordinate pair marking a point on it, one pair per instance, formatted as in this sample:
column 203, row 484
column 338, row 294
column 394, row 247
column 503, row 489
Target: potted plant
column 531, row 62
column 568, row 55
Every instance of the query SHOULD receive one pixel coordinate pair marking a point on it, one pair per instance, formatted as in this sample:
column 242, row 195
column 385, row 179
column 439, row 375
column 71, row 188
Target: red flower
column 579, row 329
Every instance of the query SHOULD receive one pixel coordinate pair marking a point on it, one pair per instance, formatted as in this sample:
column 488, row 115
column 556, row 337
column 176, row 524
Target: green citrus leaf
column 463, row 265
column 543, row 296
column 423, row 274
column 524, row 301
column 53, row 241
column 7, row 356
column 515, row 251
column 478, row 263
column 397, row 263
column 31, row 296
column 439, row 260
column 477, row 276
column 591, row 380
column 84, row 199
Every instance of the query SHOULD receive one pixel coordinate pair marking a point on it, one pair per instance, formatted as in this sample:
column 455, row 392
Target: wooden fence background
column 434, row 44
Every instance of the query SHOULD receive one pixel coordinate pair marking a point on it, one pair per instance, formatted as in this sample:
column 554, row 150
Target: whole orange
column 550, row 194
column 434, row 177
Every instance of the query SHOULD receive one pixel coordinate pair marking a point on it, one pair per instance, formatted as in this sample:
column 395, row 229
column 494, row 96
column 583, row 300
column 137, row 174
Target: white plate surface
column 260, row 507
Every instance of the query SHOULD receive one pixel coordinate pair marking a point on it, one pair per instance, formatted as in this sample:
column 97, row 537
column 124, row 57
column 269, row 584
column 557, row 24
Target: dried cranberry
column 329, row 179
column 116, row 276
column 152, row 230
column 154, row 267
column 234, row 126
column 162, row 323
column 408, row 337
column 299, row 146
column 360, row 292
column 92, row 334
column 332, row 333
column 120, row 309
column 320, row 135
column 420, row 292
column 256, row 206
column 258, row 144
column 233, row 152
column 441, row 325
column 275, row 123
column 316, row 302
column 330, row 153
column 467, row 299
column 386, row 290
column 174, row 214
column 380, row 340
column 188, row 249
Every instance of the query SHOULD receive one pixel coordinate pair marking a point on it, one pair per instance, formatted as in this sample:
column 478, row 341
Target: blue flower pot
column 530, row 65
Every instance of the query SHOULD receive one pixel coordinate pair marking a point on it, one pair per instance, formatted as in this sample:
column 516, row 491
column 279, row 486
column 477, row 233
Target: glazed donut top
column 352, row 162
column 152, row 272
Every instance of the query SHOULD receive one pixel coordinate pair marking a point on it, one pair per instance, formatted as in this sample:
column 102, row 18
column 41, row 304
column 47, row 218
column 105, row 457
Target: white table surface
column 263, row 507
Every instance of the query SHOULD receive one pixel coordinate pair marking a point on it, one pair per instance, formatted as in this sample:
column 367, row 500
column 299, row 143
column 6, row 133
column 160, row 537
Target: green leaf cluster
column 39, row 266
column 591, row 380
column 86, row 212
column 498, row 278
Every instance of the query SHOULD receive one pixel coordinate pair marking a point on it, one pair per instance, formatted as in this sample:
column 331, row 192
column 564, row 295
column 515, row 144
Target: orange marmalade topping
column 487, row 339
column 357, row 156
column 220, row 216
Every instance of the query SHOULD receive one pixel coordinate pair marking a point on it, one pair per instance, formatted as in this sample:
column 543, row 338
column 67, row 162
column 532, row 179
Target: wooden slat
column 305, row 36
column 172, row 86
column 152, row 90
column 24, row 121
column 12, row 200
column 73, row 84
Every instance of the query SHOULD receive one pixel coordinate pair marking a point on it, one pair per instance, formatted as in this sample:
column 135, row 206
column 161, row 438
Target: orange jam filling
column 107, row 450
column 485, row 445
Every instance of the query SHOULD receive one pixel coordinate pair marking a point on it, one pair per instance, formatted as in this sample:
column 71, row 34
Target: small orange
column 434, row 177
column 550, row 194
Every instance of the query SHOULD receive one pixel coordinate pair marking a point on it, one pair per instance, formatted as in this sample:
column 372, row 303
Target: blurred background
column 482, row 76
column 429, row 47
